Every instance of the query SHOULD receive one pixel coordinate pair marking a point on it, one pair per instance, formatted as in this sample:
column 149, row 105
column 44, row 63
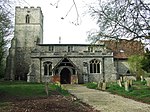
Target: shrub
column 92, row 85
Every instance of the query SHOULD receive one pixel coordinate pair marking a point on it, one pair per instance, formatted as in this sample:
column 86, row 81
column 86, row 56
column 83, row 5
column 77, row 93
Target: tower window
column 95, row 66
column 27, row 19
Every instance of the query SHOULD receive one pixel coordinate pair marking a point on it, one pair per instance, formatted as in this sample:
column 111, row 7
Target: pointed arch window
column 95, row 66
column 27, row 19
column 47, row 68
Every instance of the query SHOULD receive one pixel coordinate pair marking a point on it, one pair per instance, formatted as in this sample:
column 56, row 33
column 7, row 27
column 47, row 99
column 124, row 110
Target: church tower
column 28, row 32
column 28, row 26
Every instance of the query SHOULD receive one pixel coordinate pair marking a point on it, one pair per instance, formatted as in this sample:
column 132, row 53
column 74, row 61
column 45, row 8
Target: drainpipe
column 103, row 72
column 117, row 64
column 88, row 72
column 40, row 68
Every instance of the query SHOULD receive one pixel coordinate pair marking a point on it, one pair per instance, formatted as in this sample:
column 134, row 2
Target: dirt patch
column 53, row 103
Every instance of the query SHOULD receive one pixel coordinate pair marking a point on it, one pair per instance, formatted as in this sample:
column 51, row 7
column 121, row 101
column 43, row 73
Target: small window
column 51, row 48
column 27, row 19
column 90, row 49
column 70, row 48
column 85, row 64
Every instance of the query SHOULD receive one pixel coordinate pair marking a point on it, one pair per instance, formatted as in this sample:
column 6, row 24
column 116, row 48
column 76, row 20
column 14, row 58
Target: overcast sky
column 55, row 27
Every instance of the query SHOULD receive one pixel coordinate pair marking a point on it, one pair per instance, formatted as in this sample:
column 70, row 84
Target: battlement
column 32, row 7
column 30, row 21
column 28, row 10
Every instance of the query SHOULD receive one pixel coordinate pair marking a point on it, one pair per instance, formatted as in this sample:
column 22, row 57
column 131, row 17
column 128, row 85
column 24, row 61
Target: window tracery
column 47, row 68
column 95, row 66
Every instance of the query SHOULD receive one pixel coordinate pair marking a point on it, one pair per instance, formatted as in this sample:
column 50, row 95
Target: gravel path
column 105, row 101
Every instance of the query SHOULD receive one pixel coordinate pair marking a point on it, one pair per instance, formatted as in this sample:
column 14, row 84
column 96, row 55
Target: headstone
column 99, row 86
column 119, row 83
column 104, row 86
column 126, row 85
column 142, row 79
column 148, row 81
column 121, row 79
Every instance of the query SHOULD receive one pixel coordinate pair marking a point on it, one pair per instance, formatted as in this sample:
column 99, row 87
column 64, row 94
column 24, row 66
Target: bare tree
column 118, row 19
column 5, row 31
column 74, row 5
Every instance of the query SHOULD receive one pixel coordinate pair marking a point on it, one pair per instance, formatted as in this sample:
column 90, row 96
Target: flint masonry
column 31, row 60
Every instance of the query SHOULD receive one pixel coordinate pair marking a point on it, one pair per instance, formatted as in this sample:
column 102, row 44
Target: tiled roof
column 124, row 48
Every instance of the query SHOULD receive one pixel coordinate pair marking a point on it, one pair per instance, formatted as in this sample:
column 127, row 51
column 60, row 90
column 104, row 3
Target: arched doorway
column 65, row 76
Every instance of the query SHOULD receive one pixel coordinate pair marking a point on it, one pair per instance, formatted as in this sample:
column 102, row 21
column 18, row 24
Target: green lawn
column 139, row 91
column 24, row 89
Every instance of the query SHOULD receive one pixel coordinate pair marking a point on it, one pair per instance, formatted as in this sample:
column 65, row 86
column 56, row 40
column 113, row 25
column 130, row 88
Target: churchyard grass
column 92, row 85
column 27, row 90
column 22, row 89
column 139, row 91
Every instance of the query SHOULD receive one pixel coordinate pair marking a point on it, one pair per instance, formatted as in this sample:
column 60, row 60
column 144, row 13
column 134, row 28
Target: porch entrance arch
column 65, row 76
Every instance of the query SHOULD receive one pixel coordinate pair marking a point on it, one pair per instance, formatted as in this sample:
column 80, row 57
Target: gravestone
column 142, row 78
column 104, row 86
column 119, row 83
column 130, row 82
column 126, row 85
column 148, row 81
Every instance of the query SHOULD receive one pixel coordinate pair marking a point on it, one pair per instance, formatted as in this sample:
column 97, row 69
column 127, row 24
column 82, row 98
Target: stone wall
column 78, row 58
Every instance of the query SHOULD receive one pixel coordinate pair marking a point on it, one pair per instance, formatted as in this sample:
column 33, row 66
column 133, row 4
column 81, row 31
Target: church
column 31, row 60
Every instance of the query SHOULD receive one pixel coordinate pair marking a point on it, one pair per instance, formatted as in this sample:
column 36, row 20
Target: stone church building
column 31, row 60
